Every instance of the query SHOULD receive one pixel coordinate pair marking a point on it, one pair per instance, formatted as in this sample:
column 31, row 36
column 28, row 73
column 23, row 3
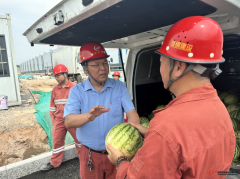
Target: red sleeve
column 155, row 159
column 52, row 107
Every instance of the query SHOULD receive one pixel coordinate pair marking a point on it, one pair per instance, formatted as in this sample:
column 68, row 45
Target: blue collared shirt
column 83, row 96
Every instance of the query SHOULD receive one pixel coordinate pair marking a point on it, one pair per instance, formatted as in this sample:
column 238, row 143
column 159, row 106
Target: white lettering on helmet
column 97, row 48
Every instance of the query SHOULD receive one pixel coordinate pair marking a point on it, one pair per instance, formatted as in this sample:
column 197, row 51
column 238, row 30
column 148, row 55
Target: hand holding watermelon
column 125, row 139
column 140, row 128
column 96, row 111
column 114, row 154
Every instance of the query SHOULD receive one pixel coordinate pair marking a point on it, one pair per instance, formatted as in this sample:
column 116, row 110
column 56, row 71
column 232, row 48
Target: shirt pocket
column 116, row 108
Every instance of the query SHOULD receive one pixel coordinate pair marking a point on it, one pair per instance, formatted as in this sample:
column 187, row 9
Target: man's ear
column 178, row 69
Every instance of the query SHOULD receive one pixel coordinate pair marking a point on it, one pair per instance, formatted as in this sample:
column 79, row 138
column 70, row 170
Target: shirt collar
column 88, row 85
column 67, row 86
column 198, row 93
column 108, row 84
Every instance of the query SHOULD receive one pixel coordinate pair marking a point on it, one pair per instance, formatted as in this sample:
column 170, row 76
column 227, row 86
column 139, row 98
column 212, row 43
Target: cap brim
column 95, row 59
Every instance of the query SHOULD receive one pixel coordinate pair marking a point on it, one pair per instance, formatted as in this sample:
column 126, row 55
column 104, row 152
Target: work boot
column 47, row 167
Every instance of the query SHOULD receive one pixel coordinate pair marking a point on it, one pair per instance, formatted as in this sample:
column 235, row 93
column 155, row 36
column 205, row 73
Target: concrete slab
column 32, row 165
column 3, row 173
column 70, row 153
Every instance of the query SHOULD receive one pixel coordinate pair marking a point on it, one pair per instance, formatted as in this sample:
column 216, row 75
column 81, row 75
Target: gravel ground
column 19, row 116
column 25, row 112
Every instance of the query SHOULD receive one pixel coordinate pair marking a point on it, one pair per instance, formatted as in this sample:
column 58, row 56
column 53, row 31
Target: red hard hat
column 92, row 51
column 60, row 68
column 195, row 39
column 116, row 73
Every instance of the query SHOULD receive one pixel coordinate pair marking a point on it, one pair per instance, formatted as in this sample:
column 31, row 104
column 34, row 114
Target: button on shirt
column 84, row 96
column 188, row 139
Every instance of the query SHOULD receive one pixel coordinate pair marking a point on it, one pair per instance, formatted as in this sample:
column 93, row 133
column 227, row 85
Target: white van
column 140, row 26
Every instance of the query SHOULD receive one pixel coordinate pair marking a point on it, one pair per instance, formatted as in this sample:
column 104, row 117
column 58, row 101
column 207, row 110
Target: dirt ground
column 44, row 85
column 21, row 136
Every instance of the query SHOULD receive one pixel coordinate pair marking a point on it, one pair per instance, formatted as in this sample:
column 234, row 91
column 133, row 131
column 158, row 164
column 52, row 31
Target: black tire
column 79, row 78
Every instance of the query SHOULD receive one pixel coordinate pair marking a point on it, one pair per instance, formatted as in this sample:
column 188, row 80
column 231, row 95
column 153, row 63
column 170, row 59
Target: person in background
column 116, row 75
column 59, row 98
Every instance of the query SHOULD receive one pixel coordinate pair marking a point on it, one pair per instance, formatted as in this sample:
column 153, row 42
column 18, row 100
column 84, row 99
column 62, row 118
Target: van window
column 4, row 68
column 148, row 90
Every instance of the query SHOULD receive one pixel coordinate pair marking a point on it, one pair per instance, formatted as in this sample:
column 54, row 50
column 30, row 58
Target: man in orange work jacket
column 59, row 98
column 193, row 136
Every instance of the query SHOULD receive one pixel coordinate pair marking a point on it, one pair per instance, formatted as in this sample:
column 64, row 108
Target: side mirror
column 111, row 60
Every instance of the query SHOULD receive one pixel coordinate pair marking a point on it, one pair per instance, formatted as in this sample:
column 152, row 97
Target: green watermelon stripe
column 236, row 152
column 143, row 120
column 111, row 132
column 145, row 124
column 120, row 140
column 231, row 99
column 137, row 146
column 129, row 138
column 119, row 131
column 236, row 125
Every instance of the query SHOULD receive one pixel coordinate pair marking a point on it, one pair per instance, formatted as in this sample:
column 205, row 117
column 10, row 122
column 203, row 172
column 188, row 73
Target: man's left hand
column 114, row 154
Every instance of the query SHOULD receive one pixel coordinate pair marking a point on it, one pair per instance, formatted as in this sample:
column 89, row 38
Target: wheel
column 79, row 78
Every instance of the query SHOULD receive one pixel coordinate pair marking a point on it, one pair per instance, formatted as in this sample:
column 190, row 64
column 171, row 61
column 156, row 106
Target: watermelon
column 143, row 120
column 160, row 106
column 236, row 125
column 235, row 115
column 236, row 152
column 223, row 95
column 231, row 99
column 237, row 134
column 233, row 107
column 150, row 116
column 125, row 138
column 145, row 124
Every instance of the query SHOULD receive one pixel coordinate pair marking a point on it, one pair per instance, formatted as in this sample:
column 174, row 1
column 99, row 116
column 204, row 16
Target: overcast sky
column 24, row 13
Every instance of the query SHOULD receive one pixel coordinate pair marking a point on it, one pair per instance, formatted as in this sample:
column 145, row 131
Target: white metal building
column 8, row 68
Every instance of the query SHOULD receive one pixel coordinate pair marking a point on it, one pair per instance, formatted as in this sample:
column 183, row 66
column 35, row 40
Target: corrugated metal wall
column 38, row 64
column 43, row 62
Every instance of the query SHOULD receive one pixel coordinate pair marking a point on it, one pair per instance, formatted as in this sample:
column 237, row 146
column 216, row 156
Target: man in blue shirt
column 94, row 107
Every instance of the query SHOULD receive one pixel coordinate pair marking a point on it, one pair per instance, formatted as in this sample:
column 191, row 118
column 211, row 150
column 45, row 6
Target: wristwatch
column 121, row 160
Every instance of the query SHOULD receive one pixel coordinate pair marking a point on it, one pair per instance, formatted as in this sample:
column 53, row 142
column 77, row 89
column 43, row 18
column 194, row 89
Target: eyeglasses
column 97, row 66
column 57, row 75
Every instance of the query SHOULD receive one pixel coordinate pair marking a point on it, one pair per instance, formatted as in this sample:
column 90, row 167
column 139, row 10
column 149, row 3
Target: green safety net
column 25, row 76
column 43, row 117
